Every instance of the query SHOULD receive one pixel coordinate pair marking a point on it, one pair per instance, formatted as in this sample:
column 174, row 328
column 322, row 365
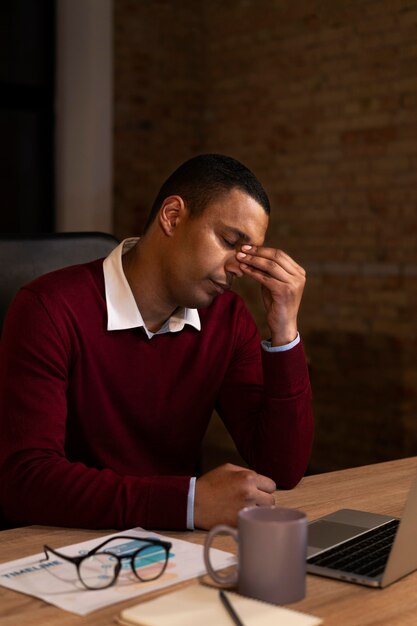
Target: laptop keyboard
column 366, row 555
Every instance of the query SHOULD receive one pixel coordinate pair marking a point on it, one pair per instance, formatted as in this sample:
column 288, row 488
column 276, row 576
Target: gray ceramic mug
column 272, row 552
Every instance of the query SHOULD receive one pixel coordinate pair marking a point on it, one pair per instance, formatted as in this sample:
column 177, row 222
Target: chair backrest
column 23, row 257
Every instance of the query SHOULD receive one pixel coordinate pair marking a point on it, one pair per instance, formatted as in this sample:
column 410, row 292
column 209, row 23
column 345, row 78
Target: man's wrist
column 283, row 338
column 269, row 347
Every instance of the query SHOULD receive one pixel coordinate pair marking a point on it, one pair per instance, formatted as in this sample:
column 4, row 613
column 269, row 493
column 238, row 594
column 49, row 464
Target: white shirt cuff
column 266, row 345
column 190, row 504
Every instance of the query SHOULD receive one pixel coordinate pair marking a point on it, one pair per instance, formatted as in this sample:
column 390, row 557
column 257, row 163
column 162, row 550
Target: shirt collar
column 122, row 310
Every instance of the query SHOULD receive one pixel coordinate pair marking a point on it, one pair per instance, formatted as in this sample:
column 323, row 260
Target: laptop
column 364, row 548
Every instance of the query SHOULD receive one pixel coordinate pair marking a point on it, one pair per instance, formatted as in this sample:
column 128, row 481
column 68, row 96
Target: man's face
column 203, row 249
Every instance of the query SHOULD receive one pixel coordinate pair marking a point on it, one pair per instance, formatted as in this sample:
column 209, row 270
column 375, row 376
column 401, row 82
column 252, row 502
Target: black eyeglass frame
column 77, row 560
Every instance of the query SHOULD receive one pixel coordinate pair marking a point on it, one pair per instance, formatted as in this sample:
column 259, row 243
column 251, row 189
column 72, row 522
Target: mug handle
column 221, row 579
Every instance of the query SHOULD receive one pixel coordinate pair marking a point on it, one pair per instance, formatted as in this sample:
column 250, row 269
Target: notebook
column 200, row 605
column 364, row 548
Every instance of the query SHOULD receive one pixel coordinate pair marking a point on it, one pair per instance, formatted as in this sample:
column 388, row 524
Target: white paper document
column 56, row 581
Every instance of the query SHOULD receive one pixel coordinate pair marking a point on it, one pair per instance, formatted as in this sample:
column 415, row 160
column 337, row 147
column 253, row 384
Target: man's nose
column 232, row 266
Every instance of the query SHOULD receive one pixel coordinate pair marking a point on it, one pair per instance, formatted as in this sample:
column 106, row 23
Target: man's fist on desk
column 222, row 492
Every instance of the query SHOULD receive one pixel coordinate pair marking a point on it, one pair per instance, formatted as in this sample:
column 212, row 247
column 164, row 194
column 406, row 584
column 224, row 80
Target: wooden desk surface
column 380, row 488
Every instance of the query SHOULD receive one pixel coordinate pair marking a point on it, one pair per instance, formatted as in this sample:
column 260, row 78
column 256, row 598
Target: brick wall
column 158, row 94
column 320, row 100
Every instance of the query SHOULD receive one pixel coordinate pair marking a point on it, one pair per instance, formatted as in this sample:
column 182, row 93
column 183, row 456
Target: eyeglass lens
column 150, row 562
column 101, row 569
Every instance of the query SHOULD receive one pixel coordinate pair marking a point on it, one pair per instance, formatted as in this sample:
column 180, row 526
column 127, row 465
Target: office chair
column 25, row 257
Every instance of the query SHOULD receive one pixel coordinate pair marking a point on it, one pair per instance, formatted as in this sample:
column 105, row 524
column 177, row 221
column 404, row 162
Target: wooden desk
column 381, row 488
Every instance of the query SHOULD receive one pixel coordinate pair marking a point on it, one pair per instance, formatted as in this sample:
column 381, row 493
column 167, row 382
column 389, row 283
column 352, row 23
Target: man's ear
column 172, row 211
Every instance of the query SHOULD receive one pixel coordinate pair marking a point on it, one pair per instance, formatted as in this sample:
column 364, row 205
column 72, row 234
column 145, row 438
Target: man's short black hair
column 203, row 178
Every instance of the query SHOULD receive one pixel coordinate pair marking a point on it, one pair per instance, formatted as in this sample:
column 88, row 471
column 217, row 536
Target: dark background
column 27, row 50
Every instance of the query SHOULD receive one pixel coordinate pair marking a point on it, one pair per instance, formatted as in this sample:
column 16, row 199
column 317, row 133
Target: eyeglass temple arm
column 151, row 541
column 77, row 559
column 71, row 559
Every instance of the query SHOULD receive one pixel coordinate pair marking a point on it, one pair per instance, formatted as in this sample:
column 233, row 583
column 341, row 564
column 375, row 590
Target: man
column 109, row 372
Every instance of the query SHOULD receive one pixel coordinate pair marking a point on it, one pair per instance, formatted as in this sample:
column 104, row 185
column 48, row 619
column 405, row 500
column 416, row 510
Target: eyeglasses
column 99, row 569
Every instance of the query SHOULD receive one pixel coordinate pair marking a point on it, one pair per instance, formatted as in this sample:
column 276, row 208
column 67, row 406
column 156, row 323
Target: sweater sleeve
column 265, row 402
column 39, row 484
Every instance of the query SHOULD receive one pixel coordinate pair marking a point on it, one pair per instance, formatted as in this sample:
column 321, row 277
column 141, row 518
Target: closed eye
column 229, row 244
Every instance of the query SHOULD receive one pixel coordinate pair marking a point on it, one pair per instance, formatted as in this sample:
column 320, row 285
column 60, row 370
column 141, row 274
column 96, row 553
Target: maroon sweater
column 102, row 429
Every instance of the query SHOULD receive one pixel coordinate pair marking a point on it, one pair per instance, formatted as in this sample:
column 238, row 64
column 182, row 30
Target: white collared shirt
column 122, row 310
